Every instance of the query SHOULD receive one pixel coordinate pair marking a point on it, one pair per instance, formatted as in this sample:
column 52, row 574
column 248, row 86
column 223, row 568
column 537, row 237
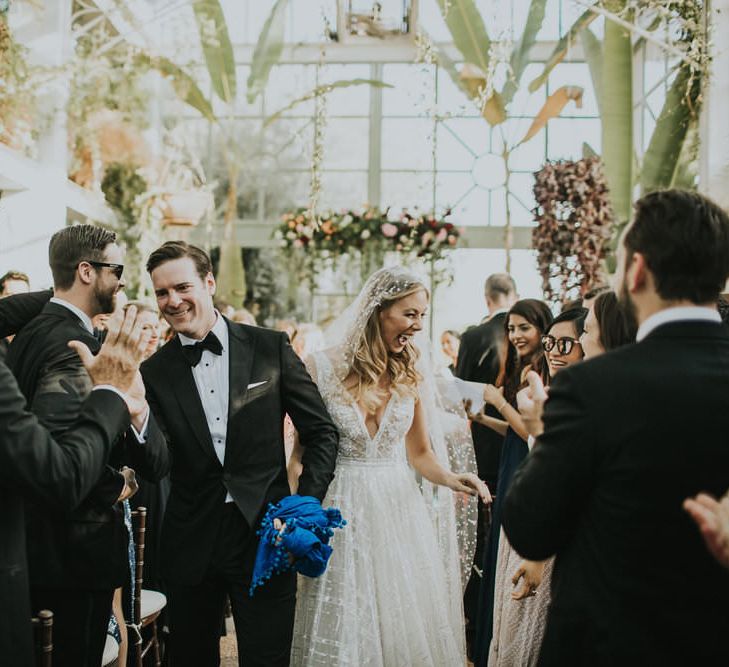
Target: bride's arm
column 423, row 460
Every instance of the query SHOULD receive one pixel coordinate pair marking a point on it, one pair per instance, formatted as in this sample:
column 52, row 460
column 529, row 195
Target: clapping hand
column 530, row 402
column 712, row 518
column 472, row 416
column 532, row 573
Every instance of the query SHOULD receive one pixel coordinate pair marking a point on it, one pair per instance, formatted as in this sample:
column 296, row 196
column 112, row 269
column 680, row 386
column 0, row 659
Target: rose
column 290, row 235
column 298, row 243
column 389, row 230
column 442, row 235
column 346, row 220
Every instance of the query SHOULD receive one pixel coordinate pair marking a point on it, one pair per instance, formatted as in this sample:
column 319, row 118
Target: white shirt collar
column 220, row 329
column 678, row 314
column 85, row 319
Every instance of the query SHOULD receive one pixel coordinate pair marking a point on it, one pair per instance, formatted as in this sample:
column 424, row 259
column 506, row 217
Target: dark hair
column 684, row 238
column 73, row 245
column 537, row 313
column 594, row 292
column 571, row 305
column 615, row 327
column 575, row 315
column 177, row 250
column 499, row 285
column 13, row 275
column 722, row 305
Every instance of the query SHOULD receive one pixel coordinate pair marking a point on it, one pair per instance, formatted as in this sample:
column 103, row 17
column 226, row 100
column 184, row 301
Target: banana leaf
column 592, row 47
column 183, row 84
column 588, row 151
column 687, row 166
column 560, row 51
column 679, row 109
column 468, row 31
column 553, row 107
column 321, row 90
column 444, row 61
column 520, row 55
column 217, row 48
column 268, row 50
column 617, row 118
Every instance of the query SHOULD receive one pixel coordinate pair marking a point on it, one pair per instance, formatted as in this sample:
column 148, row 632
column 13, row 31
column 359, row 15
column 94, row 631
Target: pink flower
column 442, row 235
column 389, row 230
column 298, row 243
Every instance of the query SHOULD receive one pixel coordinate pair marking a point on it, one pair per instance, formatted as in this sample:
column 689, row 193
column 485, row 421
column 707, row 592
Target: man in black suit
column 627, row 437
column 76, row 559
column 220, row 391
column 57, row 473
column 13, row 282
column 479, row 360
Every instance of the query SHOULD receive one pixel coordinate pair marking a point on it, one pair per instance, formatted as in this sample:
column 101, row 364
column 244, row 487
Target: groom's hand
column 281, row 527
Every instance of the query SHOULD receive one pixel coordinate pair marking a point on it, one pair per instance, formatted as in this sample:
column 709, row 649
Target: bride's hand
column 469, row 483
column 532, row 571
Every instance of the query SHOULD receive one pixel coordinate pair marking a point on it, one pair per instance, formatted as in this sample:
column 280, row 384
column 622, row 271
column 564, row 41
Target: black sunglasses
column 564, row 345
column 117, row 269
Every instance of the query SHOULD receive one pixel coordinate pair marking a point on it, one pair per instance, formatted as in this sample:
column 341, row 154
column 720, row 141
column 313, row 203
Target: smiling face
column 401, row 320
column 184, row 298
column 523, row 335
column 449, row 344
column 555, row 359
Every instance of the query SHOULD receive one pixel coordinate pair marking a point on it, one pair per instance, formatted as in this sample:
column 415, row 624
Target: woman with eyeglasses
column 519, row 613
column 525, row 323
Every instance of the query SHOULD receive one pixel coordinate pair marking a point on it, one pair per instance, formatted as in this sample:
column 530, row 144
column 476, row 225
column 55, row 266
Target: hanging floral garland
column 365, row 234
column 574, row 219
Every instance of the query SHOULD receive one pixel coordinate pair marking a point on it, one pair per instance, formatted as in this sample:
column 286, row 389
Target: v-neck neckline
column 355, row 406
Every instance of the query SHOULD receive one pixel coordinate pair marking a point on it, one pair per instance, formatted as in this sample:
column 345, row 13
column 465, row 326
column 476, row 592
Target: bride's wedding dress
column 388, row 598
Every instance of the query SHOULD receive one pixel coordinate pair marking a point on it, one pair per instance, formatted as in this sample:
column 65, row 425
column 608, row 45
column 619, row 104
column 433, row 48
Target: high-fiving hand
column 712, row 518
column 530, row 402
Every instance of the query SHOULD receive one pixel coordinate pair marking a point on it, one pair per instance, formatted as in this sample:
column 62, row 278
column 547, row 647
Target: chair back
column 43, row 635
column 139, row 521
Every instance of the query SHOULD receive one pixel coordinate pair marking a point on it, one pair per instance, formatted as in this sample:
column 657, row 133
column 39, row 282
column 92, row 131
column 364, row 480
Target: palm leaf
column 268, row 50
column 217, row 48
column 322, row 90
column 468, row 31
column 661, row 159
column 560, row 51
column 592, row 47
column 183, row 84
column 553, row 107
column 520, row 56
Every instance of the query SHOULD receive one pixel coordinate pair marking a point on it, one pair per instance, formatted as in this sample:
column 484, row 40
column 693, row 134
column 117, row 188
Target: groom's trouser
column 263, row 623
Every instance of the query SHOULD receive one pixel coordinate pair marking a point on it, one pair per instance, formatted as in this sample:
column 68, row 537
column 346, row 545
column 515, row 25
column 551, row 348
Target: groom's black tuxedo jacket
column 254, row 470
column 85, row 548
column 628, row 436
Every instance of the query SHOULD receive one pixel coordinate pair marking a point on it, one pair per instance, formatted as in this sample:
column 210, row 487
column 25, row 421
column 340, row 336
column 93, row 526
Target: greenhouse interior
column 382, row 233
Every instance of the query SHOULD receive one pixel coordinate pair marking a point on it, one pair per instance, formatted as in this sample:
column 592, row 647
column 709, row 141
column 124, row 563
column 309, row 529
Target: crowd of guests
column 586, row 484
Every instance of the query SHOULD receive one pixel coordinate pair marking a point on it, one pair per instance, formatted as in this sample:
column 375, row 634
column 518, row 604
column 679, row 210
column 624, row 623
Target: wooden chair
column 43, row 634
column 146, row 605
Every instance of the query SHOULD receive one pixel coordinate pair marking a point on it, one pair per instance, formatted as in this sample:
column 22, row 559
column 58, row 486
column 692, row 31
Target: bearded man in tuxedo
column 627, row 437
column 220, row 391
column 77, row 559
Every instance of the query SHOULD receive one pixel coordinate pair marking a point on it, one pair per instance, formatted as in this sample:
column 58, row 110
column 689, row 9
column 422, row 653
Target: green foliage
column 217, row 47
column 268, row 50
column 520, row 57
column 121, row 185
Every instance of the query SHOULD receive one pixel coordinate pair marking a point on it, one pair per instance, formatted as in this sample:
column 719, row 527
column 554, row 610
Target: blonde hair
column 372, row 359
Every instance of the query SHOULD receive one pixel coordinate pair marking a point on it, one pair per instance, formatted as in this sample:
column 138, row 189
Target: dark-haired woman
column 525, row 323
column 520, row 615
column 607, row 326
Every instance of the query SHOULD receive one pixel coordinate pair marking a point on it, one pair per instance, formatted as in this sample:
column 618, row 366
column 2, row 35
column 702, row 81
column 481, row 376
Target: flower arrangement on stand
column 365, row 234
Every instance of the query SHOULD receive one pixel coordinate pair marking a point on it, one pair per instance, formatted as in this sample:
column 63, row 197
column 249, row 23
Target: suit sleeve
column 149, row 459
column 463, row 361
column 58, row 471
column 317, row 433
column 551, row 487
column 17, row 310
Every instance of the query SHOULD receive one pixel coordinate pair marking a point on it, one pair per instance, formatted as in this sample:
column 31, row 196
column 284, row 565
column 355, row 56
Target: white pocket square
column 253, row 385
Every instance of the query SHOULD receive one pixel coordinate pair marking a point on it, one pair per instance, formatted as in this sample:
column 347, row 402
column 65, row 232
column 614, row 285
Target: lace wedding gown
column 387, row 598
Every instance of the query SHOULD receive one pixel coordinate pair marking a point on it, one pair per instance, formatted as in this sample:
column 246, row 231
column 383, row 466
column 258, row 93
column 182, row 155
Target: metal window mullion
column 374, row 180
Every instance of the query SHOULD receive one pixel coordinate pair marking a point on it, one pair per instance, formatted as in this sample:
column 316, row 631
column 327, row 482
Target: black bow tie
column 193, row 353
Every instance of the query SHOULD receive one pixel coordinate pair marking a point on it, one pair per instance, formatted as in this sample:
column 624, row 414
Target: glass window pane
column 566, row 136
column 406, row 190
column 460, row 141
column 413, row 92
column 343, row 190
column 287, row 83
column 451, row 99
column 407, row 143
column 346, row 143
column 352, row 101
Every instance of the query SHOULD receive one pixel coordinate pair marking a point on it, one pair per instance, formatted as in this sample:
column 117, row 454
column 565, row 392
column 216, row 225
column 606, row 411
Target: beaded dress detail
column 388, row 597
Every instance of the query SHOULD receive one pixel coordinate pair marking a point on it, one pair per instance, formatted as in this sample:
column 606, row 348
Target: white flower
column 346, row 220
column 403, row 238
column 365, row 234
column 278, row 235
column 290, row 235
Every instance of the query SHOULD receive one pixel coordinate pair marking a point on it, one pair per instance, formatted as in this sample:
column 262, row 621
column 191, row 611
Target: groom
column 220, row 391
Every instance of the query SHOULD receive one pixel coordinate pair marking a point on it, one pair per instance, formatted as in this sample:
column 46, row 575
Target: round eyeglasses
column 564, row 345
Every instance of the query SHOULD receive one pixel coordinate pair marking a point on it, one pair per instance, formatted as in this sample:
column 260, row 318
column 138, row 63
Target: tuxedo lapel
column 188, row 397
column 241, row 361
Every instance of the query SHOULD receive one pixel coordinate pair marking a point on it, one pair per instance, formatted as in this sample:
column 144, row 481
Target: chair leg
column 134, row 657
column 155, row 645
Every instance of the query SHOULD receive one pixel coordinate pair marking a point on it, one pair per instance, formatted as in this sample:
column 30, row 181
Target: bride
column 392, row 594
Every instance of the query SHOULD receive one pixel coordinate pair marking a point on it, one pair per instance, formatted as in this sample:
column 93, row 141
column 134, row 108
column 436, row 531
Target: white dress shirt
column 677, row 314
column 211, row 377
